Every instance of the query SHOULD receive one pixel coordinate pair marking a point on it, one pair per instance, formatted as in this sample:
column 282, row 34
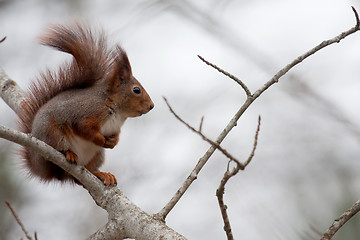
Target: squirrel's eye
column 136, row 90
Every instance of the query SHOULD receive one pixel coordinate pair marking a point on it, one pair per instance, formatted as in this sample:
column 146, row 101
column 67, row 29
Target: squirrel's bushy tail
column 91, row 62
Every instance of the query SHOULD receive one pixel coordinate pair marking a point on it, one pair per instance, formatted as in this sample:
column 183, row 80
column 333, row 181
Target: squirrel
column 80, row 108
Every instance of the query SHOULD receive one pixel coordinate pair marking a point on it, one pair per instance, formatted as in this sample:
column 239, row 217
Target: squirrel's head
column 124, row 90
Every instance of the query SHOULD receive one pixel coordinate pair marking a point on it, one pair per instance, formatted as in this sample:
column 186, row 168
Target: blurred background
column 306, row 170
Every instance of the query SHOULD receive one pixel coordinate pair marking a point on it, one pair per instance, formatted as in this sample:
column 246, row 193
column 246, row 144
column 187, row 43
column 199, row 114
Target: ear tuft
column 122, row 64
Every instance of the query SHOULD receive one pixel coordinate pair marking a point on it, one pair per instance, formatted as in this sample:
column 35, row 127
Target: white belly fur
column 86, row 150
column 112, row 125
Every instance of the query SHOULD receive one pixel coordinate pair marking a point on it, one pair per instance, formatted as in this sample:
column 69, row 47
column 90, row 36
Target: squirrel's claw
column 106, row 177
column 71, row 157
column 111, row 141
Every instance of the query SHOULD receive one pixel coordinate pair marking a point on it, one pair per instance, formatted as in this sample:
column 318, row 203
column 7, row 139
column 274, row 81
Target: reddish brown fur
column 94, row 90
column 89, row 129
column 112, row 140
column 94, row 163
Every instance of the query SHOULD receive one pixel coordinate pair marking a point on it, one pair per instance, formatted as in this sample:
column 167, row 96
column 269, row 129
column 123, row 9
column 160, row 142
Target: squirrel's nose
column 151, row 106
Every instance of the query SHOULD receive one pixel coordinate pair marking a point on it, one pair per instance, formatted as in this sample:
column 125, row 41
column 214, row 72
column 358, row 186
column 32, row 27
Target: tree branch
column 227, row 175
column 126, row 220
column 302, row 57
column 17, row 219
column 11, row 93
column 3, row 39
column 249, row 100
column 338, row 223
column 241, row 83
column 216, row 145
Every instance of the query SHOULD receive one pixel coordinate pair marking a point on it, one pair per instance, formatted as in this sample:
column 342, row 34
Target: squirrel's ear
column 122, row 64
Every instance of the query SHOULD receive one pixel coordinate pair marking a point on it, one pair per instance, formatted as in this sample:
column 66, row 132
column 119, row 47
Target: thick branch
column 126, row 219
column 11, row 93
column 250, row 99
column 338, row 223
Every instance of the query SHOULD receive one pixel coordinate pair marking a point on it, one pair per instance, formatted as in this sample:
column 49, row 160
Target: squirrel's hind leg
column 47, row 130
column 93, row 167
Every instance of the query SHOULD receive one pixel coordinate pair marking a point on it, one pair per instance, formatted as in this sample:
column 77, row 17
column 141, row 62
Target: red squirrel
column 80, row 108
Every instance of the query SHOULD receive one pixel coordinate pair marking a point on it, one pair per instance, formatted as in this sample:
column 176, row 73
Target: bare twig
column 357, row 18
column 249, row 100
column 216, row 145
column 18, row 221
column 255, row 143
column 241, row 83
column 302, row 57
column 240, row 45
column 3, row 39
column 338, row 223
column 227, row 175
column 201, row 123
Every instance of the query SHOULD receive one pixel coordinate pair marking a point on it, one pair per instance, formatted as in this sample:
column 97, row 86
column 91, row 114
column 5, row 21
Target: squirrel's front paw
column 107, row 178
column 71, row 156
column 111, row 141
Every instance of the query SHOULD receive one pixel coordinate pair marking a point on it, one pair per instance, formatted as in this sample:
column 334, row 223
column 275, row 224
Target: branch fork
column 251, row 97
